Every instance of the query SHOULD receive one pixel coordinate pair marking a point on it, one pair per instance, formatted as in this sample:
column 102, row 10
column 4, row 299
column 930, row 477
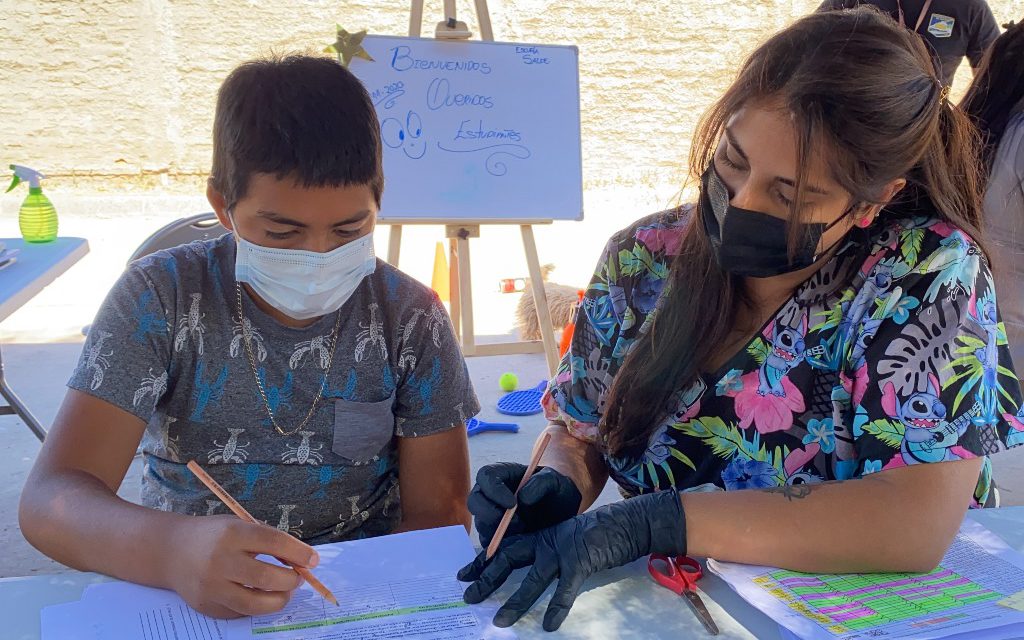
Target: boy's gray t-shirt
column 168, row 346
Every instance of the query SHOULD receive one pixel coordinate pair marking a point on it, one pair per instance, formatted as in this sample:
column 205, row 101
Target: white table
column 623, row 603
column 36, row 266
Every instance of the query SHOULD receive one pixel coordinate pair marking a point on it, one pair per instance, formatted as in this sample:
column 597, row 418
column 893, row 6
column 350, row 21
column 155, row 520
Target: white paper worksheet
column 388, row 588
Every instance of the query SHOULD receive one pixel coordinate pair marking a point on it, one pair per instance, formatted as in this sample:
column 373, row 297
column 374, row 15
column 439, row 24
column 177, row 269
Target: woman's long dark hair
column 863, row 91
column 997, row 91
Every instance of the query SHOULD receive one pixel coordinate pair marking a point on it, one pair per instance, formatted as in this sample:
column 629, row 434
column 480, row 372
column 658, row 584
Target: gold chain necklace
column 259, row 383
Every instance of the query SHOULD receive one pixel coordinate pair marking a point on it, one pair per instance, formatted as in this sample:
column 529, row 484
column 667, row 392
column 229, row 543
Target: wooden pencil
column 538, row 451
column 240, row 511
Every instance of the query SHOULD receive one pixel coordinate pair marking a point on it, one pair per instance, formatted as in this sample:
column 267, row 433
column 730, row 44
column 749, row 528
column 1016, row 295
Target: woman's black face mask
column 750, row 243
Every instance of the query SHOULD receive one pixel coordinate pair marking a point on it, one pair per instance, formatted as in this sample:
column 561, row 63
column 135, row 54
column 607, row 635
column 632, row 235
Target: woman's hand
column 575, row 549
column 548, row 498
column 213, row 566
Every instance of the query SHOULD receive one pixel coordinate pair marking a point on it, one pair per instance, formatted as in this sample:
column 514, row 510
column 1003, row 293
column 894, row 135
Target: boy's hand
column 213, row 566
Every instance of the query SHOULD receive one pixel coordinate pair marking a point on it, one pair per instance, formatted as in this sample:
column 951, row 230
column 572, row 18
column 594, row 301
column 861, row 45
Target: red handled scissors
column 680, row 574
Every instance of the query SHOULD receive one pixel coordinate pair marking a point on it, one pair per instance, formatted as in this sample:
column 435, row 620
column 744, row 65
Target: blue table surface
column 33, row 262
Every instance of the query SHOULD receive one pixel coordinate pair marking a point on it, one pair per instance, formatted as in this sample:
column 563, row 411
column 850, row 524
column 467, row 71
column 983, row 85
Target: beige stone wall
column 115, row 98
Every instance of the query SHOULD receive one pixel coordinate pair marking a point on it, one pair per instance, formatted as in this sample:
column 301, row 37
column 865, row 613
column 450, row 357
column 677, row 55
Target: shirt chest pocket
column 362, row 429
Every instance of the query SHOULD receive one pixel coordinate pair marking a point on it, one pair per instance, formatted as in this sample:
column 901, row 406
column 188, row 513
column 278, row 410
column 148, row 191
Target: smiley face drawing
column 408, row 137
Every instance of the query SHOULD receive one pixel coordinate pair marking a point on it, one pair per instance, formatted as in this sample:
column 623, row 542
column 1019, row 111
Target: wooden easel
column 458, row 235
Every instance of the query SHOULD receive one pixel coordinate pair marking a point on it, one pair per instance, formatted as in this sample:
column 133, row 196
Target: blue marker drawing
column 387, row 96
column 494, row 165
column 402, row 60
column 408, row 138
column 467, row 132
column 440, row 95
column 531, row 55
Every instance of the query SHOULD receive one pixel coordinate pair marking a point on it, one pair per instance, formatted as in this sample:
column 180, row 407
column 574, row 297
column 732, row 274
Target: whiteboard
column 476, row 131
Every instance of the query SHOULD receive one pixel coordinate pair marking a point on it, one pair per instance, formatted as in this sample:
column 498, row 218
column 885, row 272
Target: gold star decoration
column 348, row 46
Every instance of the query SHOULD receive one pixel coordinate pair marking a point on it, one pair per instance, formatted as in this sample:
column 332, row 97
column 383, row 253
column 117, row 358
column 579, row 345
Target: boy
column 314, row 382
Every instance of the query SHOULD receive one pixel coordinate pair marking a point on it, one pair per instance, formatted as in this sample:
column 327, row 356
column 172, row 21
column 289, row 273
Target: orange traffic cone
column 570, row 327
column 440, row 282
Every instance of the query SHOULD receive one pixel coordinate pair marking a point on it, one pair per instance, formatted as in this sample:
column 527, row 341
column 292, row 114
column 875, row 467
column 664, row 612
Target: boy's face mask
column 304, row 284
column 750, row 243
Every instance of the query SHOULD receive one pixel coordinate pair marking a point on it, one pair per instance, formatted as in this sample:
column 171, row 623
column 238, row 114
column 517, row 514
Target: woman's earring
column 864, row 222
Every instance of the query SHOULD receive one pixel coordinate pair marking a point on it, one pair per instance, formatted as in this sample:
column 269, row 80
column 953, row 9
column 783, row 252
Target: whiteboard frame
column 399, row 220
column 458, row 236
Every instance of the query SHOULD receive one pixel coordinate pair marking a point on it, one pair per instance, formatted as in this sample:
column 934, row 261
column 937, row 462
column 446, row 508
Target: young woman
column 817, row 336
column 995, row 101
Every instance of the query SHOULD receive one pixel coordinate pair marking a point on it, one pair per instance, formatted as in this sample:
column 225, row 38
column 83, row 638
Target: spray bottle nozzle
column 24, row 173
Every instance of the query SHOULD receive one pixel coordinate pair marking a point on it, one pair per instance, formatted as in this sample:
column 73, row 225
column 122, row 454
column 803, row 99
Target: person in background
column 995, row 101
column 952, row 29
column 816, row 340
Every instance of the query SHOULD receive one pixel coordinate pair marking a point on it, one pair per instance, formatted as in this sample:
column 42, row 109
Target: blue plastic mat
column 522, row 403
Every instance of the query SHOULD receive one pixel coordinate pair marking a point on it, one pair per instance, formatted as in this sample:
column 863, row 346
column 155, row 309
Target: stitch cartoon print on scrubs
column 901, row 367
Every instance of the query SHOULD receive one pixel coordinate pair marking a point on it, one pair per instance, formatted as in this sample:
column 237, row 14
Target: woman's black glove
column 575, row 549
column 546, row 499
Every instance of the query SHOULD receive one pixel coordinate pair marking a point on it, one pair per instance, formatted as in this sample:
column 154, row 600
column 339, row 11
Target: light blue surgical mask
column 304, row 284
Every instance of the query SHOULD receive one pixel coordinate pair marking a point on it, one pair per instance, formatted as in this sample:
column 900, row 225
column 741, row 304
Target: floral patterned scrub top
column 905, row 365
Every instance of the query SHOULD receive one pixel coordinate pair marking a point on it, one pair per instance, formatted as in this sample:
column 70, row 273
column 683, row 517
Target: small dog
column 561, row 300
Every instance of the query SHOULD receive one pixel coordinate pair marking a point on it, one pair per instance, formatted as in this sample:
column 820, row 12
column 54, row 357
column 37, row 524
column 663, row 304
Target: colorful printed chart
column 846, row 603
column 959, row 597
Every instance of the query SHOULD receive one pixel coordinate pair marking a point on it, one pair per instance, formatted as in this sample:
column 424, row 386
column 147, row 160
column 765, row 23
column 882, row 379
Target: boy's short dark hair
column 299, row 116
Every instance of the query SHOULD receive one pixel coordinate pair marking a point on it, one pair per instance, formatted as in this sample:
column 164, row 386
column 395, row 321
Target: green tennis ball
column 508, row 382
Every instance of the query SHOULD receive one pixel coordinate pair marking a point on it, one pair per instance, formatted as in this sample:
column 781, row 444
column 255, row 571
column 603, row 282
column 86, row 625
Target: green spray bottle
column 37, row 218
